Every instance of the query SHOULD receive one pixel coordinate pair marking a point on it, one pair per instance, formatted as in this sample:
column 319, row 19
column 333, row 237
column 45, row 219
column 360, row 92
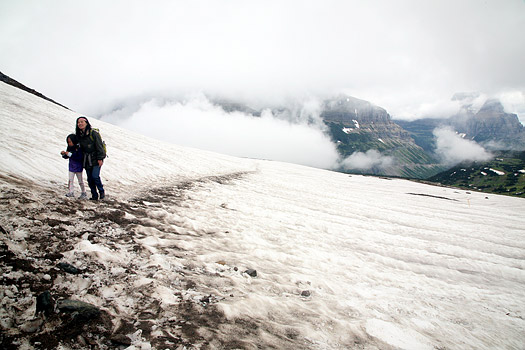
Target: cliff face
column 363, row 117
column 491, row 123
column 345, row 109
column 491, row 126
column 359, row 126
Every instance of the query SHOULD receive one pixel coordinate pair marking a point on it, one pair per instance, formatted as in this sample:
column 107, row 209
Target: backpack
column 93, row 139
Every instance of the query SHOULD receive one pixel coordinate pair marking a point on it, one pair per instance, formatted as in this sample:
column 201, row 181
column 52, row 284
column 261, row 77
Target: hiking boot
column 70, row 194
column 83, row 196
column 93, row 199
column 102, row 195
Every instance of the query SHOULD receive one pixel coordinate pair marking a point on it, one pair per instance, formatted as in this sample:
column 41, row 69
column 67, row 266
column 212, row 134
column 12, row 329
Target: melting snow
column 342, row 261
column 497, row 171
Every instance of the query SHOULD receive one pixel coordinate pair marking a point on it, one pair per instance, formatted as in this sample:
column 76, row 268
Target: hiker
column 94, row 154
column 74, row 154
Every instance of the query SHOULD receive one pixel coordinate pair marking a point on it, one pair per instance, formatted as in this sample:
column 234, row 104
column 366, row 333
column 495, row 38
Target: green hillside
column 505, row 174
column 411, row 160
column 422, row 131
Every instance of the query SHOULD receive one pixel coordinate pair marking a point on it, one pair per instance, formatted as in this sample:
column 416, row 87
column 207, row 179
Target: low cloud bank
column 453, row 149
column 196, row 122
column 368, row 160
column 296, row 135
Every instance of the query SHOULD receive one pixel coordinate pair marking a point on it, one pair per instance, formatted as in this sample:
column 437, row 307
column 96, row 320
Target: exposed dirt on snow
column 144, row 302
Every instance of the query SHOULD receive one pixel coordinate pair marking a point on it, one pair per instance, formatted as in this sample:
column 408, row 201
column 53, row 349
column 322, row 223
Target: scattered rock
column 80, row 309
column 44, row 303
column 206, row 299
column 6, row 323
column 53, row 256
column 120, row 339
column 251, row 272
column 306, row 293
column 81, row 341
column 68, row 268
column 31, row 326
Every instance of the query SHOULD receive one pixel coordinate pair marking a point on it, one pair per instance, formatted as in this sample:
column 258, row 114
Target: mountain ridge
column 8, row 80
column 490, row 126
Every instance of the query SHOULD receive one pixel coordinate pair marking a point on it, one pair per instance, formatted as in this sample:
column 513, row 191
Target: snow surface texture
column 342, row 261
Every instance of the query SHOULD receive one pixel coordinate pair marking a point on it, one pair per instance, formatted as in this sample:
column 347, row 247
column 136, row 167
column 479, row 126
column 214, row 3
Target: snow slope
column 342, row 261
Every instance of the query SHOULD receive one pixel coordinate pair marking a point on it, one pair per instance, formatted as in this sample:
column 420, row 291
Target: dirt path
column 144, row 300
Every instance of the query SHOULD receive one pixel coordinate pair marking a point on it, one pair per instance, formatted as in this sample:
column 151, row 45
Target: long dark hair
column 78, row 132
column 74, row 141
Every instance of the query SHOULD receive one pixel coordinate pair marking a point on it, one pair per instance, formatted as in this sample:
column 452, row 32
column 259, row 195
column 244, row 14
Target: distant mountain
column 231, row 106
column 491, row 127
column 359, row 126
column 505, row 174
column 356, row 125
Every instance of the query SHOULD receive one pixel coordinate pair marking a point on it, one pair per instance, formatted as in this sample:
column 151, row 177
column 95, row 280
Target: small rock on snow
column 32, row 326
column 68, row 268
column 251, row 272
column 83, row 310
column 44, row 303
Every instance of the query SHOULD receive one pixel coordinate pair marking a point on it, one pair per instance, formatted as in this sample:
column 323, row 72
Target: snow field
column 342, row 261
column 421, row 264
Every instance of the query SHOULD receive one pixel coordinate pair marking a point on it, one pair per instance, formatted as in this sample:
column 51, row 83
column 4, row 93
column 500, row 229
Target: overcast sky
column 408, row 56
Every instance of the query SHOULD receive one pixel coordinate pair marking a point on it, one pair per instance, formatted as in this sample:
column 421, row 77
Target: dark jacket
column 92, row 148
column 76, row 160
column 74, row 154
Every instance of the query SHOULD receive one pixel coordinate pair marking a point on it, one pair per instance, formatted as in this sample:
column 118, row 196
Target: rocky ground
column 91, row 254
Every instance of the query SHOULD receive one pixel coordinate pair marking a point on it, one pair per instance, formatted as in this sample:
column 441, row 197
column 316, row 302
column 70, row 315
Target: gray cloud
column 407, row 56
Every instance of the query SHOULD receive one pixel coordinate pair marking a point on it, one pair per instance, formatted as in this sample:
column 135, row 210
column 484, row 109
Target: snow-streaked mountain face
column 342, row 261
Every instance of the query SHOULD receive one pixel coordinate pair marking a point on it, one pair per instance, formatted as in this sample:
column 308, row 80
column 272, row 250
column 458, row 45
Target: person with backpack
column 94, row 153
column 74, row 154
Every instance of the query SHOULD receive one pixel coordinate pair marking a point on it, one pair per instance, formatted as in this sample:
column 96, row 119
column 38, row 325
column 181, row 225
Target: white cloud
column 200, row 124
column 367, row 161
column 513, row 102
column 454, row 149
